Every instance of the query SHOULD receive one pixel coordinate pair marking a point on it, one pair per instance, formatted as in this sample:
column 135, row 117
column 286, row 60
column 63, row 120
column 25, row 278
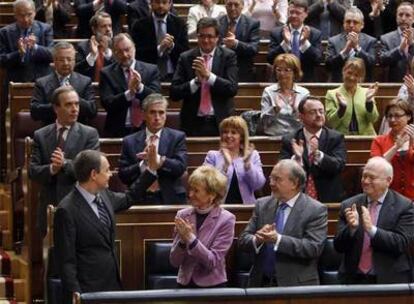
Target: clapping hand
column 184, row 229
column 248, row 156
column 409, row 83
column 352, row 217
column 200, row 69
column 341, row 100
column 371, row 92
column 297, row 148
column 287, row 35
column 267, row 234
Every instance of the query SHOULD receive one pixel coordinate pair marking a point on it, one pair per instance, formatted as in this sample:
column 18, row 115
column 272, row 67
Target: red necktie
column 365, row 262
column 61, row 139
column 99, row 64
column 310, row 184
column 205, row 102
column 136, row 115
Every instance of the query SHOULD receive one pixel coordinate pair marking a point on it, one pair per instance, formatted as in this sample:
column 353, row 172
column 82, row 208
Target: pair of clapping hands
column 370, row 94
column 228, row 156
column 151, row 157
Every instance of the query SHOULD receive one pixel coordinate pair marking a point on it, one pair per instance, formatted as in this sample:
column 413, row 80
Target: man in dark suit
column 138, row 9
column 41, row 107
column 206, row 81
column 54, row 148
column 55, row 13
column 351, row 43
column 297, row 38
column 327, row 16
column 286, row 232
column 85, row 9
column 156, row 156
column 319, row 150
column 241, row 34
column 160, row 38
column 375, row 229
column 397, row 47
column 93, row 54
column 84, row 229
column 123, row 86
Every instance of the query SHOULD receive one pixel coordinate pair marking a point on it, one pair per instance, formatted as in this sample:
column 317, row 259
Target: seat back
column 244, row 263
column 329, row 263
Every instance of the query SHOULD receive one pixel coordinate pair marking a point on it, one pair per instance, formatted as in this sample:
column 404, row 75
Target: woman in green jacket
column 350, row 108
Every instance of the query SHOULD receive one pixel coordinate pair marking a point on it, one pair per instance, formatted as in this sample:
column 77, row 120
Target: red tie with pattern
column 365, row 262
column 205, row 102
column 310, row 184
column 99, row 64
column 136, row 117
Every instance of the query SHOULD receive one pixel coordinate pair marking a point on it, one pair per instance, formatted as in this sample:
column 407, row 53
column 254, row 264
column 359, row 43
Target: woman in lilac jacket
column 203, row 233
column 238, row 160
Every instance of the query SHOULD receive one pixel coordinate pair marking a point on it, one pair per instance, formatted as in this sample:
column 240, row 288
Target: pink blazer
column 205, row 263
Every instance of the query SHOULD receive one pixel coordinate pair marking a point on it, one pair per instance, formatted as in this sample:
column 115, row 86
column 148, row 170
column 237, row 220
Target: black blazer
column 82, row 51
column 172, row 146
column 145, row 38
column 85, row 249
column 308, row 59
column 390, row 244
column 55, row 187
column 335, row 62
column 327, row 174
column 222, row 92
column 41, row 107
column 247, row 34
column 112, row 88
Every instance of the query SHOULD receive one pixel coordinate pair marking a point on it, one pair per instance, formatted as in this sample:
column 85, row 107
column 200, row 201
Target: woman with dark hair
column 397, row 146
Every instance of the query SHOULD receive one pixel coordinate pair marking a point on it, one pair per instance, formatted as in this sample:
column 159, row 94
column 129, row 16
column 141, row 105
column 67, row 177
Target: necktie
column 162, row 61
column 136, row 115
column 160, row 31
column 100, row 60
column 365, row 261
column 64, row 81
column 295, row 44
column 155, row 186
column 27, row 54
column 61, row 139
column 270, row 257
column 205, row 102
column 103, row 214
column 232, row 26
column 310, row 183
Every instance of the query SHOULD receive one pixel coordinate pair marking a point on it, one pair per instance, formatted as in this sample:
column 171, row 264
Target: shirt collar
column 148, row 133
column 59, row 126
column 309, row 135
column 381, row 198
column 89, row 197
column 236, row 20
column 298, row 29
column 294, row 88
column 60, row 77
column 211, row 53
column 292, row 201
column 156, row 18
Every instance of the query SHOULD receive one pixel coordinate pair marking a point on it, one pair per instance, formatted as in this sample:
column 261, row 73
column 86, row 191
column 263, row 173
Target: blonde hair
column 292, row 62
column 212, row 180
column 240, row 125
column 358, row 65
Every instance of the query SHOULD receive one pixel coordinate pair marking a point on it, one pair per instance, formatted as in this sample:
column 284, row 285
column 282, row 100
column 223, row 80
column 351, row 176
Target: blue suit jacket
column 172, row 146
column 37, row 64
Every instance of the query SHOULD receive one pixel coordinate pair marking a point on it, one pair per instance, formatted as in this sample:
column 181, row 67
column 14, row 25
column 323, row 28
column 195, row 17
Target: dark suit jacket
column 61, row 16
column 390, row 244
column 84, row 10
column 112, row 89
column 247, row 34
column 335, row 62
column 85, row 249
column 399, row 64
column 222, row 92
column 55, row 187
column 138, row 9
column 82, row 51
column 172, row 146
column 39, row 59
column 309, row 59
column 301, row 245
column 327, row 174
column 145, row 38
column 41, row 107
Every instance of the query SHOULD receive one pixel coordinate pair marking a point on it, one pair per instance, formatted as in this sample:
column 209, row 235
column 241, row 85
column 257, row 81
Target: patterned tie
column 310, row 184
column 205, row 102
column 295, row 44
column 365, row 262
column 64, row 81
column 136, row 115
column 103, row 214
column 100, row 61
column 270, row 257
column 162, row 61
column 61, row 139
column 232, row 26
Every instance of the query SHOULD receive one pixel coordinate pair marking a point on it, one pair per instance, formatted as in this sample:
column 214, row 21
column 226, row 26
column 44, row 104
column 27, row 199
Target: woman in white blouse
column 280, row 101
column 207, row 8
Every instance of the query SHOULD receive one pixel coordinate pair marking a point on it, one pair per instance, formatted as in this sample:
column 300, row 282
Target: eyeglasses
column 206, row 36
column 283, row 70
column 395, row 116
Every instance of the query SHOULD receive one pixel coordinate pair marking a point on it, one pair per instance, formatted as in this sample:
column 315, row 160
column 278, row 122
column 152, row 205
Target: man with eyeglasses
column 240, row 33
column 319, row 150
column 286, row 232
column 375, row 229
column 301, row 40
column 41, row 107
column 206, row 82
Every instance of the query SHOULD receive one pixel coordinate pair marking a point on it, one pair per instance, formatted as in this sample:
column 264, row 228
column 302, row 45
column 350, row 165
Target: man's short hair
column 85, row 162
column 378, row 161
column 120, row 37
column 208, row 22
column 300, row 3
column 406, row 3
column 93, row 23
column 302, row 103
column 354, row 11
column 296, row 173
column 154, row 98
column 59, row 91
column 18, row 3
column 62, row 45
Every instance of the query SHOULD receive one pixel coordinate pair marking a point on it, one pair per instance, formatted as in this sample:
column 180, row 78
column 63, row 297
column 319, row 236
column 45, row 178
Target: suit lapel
column 120, row 80
column 323, row 140
column 204, row 233
column 140, row 141
column 216, row 61
column 386, row 209
column 162, row 145
column 269, row 211
column 301, row 136
column 72, row 141
column 240, row 27
column 295, row 214
column 51, row 137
